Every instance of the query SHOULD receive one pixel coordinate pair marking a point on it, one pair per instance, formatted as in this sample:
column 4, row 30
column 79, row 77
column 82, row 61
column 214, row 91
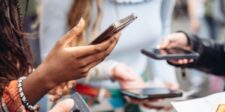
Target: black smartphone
column 79, row 104
column 114, row 28
column 170, row 53
column 152, row 93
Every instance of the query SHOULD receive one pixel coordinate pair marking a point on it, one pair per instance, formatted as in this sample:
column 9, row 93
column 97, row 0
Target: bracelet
column 26, row 104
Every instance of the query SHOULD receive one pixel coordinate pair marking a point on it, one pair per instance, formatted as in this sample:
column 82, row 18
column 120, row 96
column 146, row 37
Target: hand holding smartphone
column 114, row 28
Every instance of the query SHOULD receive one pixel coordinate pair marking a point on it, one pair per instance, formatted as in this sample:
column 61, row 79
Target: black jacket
column 212, row 55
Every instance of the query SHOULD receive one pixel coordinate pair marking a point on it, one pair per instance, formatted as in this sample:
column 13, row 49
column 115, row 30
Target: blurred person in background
column 126, row 62
column 205, row 17
column 211, row 59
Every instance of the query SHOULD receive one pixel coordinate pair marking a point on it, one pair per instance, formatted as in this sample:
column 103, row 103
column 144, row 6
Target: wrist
column 185, row 35
column 37, row 84
column 44, row 76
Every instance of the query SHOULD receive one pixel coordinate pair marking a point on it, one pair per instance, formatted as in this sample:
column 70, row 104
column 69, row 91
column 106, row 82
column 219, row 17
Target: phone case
column 192, row 55
column 135, row 96
column 114, row 28
column 173, row 94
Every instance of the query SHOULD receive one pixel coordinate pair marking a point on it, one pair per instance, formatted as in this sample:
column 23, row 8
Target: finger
column 152, row 106
column 75, row 31
column 174, row 45
column 113, row 44
column 83, row 51
column 185, row 61
column 66, row 90
column 92, row 59
column 71, row 84
column 59, row 91
column 165, row 43
column 190, row 61
column 63, row 106
column 91, row 65
column 174, row 61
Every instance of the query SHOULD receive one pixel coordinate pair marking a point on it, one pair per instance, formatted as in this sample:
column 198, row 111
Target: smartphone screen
column 114, row 28
column 152, row 93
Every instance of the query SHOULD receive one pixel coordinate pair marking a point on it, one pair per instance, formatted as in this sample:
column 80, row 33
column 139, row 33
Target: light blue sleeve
column 167, row 8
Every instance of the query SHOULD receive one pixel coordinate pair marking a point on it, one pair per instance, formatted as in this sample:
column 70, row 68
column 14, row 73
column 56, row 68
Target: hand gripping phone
column 114, row 28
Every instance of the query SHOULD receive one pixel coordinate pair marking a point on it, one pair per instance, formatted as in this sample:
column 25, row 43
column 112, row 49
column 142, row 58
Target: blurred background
column 205, row 18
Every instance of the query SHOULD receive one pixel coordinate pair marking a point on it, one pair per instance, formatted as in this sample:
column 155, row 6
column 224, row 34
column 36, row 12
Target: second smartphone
column 170, row 53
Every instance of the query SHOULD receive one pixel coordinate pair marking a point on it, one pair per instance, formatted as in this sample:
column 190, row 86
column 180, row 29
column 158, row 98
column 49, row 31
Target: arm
column 192, row 4
column 212, row 55
column 65, row 63
column 194, row 19
column 167, row 8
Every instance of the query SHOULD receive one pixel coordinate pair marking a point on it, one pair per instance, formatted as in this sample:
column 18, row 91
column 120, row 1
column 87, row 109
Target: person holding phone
column 20, row 86
column 212, row 54
column 126, row 65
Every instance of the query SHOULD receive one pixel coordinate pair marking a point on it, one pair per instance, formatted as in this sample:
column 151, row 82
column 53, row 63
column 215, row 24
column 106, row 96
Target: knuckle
column 84, row 70
column 59, row 43
column 96, row 57
column 82, row 64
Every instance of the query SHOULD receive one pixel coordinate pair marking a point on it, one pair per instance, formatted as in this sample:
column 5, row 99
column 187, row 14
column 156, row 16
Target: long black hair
column 15, row 55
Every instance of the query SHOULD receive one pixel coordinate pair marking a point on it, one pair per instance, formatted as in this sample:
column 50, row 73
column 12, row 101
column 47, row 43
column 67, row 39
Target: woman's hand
column 177, row 40
column 66, row 62
column 127, row 77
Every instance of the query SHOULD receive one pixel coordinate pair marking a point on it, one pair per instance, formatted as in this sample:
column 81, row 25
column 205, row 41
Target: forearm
column 192, row 8
column 37, row 85
column 211, row 55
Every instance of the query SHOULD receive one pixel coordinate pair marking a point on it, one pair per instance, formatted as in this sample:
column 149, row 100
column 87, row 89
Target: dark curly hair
column 15, row 54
